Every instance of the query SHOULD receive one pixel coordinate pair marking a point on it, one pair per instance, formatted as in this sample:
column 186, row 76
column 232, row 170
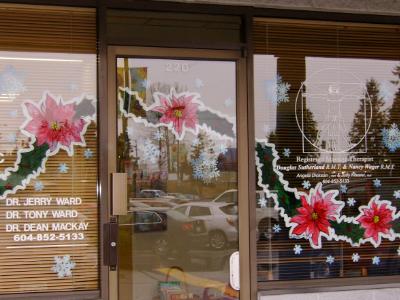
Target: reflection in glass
column 327, row 144
column 177, row 142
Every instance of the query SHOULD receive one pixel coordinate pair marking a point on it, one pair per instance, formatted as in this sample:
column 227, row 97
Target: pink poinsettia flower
column 178, row 109
column 376, row 219
column 54, row 124
column 318, row 208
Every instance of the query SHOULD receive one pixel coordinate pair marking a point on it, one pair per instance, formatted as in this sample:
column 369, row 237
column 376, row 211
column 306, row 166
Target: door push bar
column 110, row 244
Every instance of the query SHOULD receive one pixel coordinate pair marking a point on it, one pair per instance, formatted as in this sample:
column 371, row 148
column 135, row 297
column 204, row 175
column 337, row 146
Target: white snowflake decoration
column 351, row 202
column 11, row 138
column 391, row 137
column 158, row 135
column 262, row 202
column 282, row 89
column 330, row 259
column 376, row 260
column 150, row 152
column 88, row 153
column 286, row 152
column 277, row 90
column 11, row 81
column 398, row 251
column 297, row 249
column 377, row 183
column 306, row 184
column 63, row 266
column 343, row 188
column 396, row 194
column 38, row 186
column 195, row 142
column 276, row 228
column 63, row 168
column 205, row 167
column 355, row 257
column 199, row 83
column 228, row 102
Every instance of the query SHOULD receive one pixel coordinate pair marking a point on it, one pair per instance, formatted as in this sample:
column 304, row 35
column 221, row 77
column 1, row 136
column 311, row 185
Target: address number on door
column 177, row 67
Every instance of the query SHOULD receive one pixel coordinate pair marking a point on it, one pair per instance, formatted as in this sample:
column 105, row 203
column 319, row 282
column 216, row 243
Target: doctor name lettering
column 45, row 201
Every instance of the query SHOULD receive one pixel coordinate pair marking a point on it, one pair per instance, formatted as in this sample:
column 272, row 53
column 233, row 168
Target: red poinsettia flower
column 54, row 123
column 178, row 109
column 318, row 208
column 376, row 219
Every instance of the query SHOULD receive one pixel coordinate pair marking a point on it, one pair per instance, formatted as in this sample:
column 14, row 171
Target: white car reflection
column 219, row 218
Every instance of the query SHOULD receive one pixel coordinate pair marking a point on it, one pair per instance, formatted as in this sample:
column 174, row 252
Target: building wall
column 387, row 7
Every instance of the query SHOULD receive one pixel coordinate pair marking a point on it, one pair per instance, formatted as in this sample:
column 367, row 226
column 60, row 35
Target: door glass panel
column 176, row 141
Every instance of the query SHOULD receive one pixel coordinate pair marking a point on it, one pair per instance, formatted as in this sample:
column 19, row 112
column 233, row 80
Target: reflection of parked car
column 220, row 219
column 265, row 212
column 165, row 232
column 184, row 197
column 151, row 204
column 153, row 194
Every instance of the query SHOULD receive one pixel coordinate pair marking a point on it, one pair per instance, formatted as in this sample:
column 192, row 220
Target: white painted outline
column 343, row 218
column 42, row 167
column 301, row 129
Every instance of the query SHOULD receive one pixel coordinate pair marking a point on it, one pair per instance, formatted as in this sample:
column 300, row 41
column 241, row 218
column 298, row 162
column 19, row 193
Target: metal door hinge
column 110, row 244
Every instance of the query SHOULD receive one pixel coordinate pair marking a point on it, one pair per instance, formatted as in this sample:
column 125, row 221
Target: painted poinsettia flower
column 180, row 110
column 54, row 123
column 314, row 216
column 376, row 219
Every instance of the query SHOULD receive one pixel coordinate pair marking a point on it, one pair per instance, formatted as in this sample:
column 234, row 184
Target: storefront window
column 48, row 151
column 327, row 100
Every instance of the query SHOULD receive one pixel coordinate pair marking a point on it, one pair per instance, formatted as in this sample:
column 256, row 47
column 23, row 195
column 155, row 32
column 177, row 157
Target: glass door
column 176, row 139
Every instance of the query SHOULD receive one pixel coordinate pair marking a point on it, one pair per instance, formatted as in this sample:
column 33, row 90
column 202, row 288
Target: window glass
column 48, row 151
column 327, row 99
column 199, row 211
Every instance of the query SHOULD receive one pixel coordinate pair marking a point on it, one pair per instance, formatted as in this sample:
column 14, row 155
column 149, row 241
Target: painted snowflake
column 351, row 202
column 158, row 135
column 377, row 183
column 276, row 228
column 88, row 153
column 306, row 184
column 355, row 257
column 297, row 249
column 11, row 81
column 278, row 90
column 150, row 152
column 262, row 201
column 330, row 259
column 376, row 260
column 396, row 194
column 286, row 152
column 391, row 137
column 63, row 266
column 63, row 168
column 205, row 167
column 343, row 188
column 38, row 186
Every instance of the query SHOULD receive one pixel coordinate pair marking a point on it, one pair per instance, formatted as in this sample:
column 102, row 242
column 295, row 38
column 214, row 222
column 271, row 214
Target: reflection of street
column 197, row 282
column 159, row 233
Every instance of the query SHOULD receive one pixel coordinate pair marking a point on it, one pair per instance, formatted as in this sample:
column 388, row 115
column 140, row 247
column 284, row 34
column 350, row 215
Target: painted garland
column 317, row 215
column 51, row 125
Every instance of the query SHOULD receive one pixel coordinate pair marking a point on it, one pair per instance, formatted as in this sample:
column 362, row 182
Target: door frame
column 243, row 141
